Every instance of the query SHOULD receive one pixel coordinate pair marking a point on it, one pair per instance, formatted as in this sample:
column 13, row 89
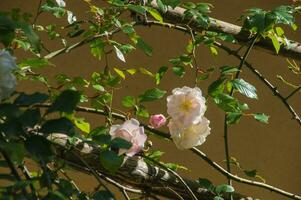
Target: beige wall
column 273, row 149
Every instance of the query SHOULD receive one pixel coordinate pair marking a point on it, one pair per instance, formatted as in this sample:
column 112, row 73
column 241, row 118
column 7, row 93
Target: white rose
column 186, row 105
column 188, row 137
column 132, row 132
column 7, row 79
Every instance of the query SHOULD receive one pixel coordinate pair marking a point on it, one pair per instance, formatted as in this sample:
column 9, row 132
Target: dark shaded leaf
column 120, row 143
column 39, row 146
column 110, row 160
column 29, row 99
column 61, row 125
column 103, row 195
column 217, row 87
column 66, row 102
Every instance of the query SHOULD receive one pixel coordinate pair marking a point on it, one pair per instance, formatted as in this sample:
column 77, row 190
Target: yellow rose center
column 186, row 106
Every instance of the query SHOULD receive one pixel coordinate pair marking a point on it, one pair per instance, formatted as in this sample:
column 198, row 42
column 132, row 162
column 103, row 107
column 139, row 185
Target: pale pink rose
column 186, row 105
column 191, row 136
column 132, row 132
column 156, row 121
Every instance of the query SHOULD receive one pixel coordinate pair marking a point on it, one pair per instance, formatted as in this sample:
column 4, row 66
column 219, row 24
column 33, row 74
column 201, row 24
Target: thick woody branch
column 135, row 172
column 176, row 16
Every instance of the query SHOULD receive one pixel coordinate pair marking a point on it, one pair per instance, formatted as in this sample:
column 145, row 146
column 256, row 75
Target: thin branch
column 38, row 12
column 293, row 92
column 80, row 43
column 92, row 171
column 125, row 194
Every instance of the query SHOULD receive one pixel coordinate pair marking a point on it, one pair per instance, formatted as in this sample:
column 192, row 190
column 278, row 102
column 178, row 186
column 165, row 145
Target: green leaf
column 50, row 6
column 81, row 124
column 120, row 143
column 275, row 42
column 225, row 70
column 110, row 160
column 103, row 195
column 136, row 8
column 174, row 166
column 15, row 150
column 61, row 125
column 227, row 103
column 35, row 63
column 142, row 112
column 131, row 71
column 151, row 95
column 159, row 75
column 224, row 188
column 119, row 72
column 206, row 184
column 38, row 146
column 213, row 50
column 128, row 101
column 261, row 117
column 155, row 155
column 100, row 135
column 245, row 88
column 171, row 3
column 178, row 70
column 279, row 31
column 251, row 173
column 31, row 35
column 216, row 87
column 218, row 198
column 145, row 47
column 29, row 99
column 66, row 102
column 98, row 87
column 146, row 72
column 155, row 14
column 119, row 54
column 97, row 48
column 8, row 110
column 30, row 117
column 233, row 118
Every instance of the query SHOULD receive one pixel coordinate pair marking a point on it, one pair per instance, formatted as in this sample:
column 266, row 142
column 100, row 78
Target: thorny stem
column 293, row 92
column 38, row 12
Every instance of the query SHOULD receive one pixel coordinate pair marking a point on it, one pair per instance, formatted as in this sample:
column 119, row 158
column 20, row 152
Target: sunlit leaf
column 245, row 88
